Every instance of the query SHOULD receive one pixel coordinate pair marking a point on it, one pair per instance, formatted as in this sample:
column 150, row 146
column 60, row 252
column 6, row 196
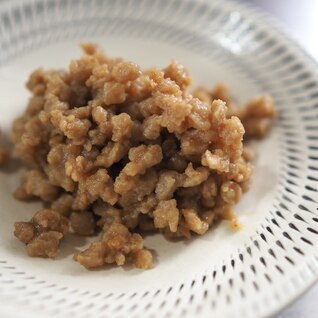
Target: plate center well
column 174, row 261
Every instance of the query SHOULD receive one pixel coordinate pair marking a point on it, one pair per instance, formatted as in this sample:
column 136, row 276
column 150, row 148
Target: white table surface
column 300, row 17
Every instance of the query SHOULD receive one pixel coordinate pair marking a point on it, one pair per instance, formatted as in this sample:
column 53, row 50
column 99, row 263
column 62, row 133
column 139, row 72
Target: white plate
column 254, row 272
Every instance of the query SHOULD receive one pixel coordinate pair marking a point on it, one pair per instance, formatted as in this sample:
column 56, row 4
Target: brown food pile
column 111, row 147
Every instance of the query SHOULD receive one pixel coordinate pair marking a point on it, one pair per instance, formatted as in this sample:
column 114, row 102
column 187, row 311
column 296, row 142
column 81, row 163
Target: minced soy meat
column 114, row 149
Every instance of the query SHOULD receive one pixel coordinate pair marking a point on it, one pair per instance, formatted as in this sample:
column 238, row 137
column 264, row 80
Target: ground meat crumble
column 4, row 155
column 120, row 151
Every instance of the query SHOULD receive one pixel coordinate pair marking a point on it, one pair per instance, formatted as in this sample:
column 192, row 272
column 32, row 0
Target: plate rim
column 281, row 31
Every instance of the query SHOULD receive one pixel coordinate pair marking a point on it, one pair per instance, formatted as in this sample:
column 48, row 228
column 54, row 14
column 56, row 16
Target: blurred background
column 300, row 19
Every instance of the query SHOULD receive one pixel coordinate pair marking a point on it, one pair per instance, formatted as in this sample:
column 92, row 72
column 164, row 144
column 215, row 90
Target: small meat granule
column 257, row 116
column 82, row 222
column 63, row 204
column 143, row 259
column 194, row 222
column 166, row 214
column 116, row 245
column 115, row 149
column 231, row 192
column 42, row 235
column 35, row 183
column 4, row 154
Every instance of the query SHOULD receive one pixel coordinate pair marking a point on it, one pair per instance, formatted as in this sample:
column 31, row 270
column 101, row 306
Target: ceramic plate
column 254, row 272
